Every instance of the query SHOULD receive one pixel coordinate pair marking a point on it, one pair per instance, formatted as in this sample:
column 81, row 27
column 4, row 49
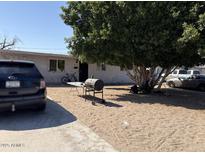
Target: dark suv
column 21, row 86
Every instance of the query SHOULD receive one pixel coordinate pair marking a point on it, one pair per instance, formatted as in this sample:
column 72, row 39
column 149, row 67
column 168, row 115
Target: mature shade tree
column 139, row 36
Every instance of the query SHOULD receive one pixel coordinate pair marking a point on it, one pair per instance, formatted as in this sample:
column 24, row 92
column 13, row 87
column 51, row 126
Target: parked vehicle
column 178, row 73
column 21, row 86
column 69, row 78
column 193, row 72
column 192, row 82
column 182, row 73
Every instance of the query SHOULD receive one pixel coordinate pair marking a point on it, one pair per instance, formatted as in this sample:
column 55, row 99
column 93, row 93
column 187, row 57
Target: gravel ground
column 171, row 122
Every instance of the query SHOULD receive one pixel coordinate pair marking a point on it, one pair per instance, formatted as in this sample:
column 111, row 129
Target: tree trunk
column 146, row 79
column 168, row 71
column 141, row 76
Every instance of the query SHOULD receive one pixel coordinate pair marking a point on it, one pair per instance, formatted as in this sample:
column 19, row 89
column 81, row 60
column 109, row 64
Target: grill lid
column 96, row 84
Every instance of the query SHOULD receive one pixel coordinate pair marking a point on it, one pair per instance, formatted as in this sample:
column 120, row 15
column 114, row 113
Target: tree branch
column 7, row 44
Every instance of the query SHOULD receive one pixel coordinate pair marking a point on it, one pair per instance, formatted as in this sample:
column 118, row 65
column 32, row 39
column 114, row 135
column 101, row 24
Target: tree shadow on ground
column 58, row 85
column 95, row 100
column 53, row 116
column 116, row 88
column 169, row 97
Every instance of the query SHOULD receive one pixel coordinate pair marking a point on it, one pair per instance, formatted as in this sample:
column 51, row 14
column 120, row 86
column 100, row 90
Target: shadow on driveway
column 53, row 116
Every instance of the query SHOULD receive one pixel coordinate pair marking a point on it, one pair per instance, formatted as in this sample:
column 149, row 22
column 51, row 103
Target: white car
column 192, row 82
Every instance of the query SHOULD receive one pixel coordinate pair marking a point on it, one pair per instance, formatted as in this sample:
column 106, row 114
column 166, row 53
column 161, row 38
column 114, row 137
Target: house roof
column 36, row 53
column 18, row 61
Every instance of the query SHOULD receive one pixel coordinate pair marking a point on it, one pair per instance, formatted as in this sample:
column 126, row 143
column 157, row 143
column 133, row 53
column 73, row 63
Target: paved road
column 56, row 129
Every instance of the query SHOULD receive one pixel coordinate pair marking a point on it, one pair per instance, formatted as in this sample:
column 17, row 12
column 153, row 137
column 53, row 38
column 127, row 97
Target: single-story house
column 54, row 66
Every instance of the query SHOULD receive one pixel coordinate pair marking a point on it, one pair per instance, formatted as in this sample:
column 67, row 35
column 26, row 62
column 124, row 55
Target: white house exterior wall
column 112, row 74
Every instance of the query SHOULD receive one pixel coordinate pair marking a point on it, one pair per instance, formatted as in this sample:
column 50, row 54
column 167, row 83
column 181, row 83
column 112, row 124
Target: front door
column 83, row 72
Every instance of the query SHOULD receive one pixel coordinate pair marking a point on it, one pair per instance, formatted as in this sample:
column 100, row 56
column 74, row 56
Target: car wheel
column 201, row 87
column 171, row 84
column 41, row 107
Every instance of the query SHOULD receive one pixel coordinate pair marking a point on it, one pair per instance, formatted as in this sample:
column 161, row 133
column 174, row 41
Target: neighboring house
column 54, row 66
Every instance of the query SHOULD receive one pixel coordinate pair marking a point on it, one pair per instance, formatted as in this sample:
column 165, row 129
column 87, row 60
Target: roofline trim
column 17, row 61
column 36, row 53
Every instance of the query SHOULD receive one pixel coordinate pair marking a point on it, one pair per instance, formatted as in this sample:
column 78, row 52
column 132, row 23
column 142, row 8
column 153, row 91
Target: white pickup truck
column 181, row 73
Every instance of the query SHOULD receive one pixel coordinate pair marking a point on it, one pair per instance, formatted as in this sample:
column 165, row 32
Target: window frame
column 194, row 72
column 63, row 65
column 188, row 72
column 50, row 70
column 175, row 72
column 182, row 72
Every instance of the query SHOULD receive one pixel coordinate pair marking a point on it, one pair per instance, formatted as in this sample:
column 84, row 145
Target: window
column 182, row 72
column 53, row 64
column 196, row 72
column 175, row 72
column 61, row 65
column 18, row 68
column 103, row 67
column 57, row 65
column 188, row 72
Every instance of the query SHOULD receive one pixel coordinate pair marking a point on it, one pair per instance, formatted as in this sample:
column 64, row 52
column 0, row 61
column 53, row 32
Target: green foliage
column 146, row 34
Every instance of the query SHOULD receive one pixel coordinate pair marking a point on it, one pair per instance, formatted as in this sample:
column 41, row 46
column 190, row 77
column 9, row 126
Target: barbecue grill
column 95, row 86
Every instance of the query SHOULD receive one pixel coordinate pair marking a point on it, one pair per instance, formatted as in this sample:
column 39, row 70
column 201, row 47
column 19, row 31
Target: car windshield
column 18, row 69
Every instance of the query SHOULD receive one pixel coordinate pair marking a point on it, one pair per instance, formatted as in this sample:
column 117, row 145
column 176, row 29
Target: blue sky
column 37, row 24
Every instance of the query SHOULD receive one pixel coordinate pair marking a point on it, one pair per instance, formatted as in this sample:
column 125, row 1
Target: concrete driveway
column 56, row 129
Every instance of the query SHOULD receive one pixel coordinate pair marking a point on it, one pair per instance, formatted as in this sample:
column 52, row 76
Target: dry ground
column 171, row 122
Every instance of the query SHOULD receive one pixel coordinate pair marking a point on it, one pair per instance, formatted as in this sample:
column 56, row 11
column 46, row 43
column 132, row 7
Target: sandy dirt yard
column 156, row 122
